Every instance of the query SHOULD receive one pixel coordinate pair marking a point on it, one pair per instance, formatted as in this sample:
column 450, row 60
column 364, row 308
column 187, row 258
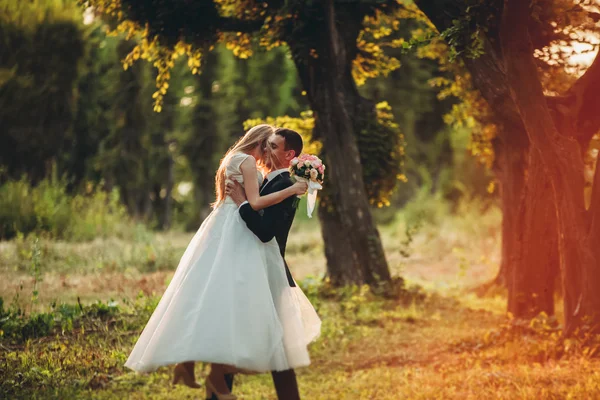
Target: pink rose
column 316, row 163
column 321, row 169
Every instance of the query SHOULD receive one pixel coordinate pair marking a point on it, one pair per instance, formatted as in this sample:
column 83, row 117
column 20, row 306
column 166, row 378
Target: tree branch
column 577, row 108
column 594, row 16
column 585, row 91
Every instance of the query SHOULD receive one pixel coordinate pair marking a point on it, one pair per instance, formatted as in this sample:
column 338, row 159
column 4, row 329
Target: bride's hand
column 300, row 188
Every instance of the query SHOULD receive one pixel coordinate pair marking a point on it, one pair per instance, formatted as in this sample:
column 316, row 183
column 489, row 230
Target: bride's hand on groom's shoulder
column 234, row 190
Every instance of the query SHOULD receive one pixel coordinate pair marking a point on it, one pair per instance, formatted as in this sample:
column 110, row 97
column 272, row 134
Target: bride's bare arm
column 258, row 202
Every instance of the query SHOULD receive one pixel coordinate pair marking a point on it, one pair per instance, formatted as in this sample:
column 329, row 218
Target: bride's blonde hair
column 256, row 136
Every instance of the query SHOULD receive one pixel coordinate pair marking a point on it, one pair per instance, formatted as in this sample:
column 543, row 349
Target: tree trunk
column 529, row 263
column 529, row 255
column 353, row 246
column 510, row 164
column 561, row 157
column 534, row 268
column 340, row 264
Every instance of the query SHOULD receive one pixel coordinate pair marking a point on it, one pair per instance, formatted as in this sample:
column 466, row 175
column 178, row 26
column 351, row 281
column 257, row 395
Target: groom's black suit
column 275, row 222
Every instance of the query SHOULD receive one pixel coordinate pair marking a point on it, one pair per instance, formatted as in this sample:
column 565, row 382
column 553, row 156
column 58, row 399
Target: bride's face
column 260, row 153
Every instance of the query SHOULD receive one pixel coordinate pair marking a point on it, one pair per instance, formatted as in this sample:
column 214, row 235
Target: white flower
column 307, row 163
column 294, row 162
column 313, row 174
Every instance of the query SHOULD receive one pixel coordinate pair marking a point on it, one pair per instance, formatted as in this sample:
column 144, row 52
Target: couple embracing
column 232, row 301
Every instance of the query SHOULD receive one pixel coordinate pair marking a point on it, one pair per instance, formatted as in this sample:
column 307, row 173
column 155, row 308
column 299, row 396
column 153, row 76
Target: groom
column 275, row 222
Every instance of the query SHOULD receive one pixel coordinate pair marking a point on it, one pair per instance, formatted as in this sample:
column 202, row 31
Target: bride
column 229, row 302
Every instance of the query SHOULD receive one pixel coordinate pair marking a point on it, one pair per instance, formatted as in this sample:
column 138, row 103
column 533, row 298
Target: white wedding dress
column 229, row 302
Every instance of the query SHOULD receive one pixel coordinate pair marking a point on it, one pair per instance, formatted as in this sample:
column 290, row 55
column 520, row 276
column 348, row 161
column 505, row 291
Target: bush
column 49, row 209
column 18, row 326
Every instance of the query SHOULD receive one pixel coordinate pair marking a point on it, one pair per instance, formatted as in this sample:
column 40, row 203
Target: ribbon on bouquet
column 311, row 196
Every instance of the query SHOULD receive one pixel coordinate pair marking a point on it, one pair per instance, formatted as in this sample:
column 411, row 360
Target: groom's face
column 278, row 156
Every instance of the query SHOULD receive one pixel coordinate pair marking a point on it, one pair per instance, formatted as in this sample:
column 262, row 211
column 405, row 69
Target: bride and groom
column 232, row 301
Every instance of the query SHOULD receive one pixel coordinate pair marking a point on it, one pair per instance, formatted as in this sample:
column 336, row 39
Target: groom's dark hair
column 293, row 140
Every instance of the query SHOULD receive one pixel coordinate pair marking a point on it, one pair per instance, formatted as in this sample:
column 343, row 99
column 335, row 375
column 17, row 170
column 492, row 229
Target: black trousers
column 285, row 383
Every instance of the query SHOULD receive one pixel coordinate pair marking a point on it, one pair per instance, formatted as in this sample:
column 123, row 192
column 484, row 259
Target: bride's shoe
column 210, row 390
column 182, row 374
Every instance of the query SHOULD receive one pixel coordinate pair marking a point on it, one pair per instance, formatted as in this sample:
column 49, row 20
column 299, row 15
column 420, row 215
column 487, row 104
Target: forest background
column 100, row 194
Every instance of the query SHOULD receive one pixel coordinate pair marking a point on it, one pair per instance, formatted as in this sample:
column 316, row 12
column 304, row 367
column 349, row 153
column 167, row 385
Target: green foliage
column 417, row 112
column 382, row 149
column 18, row 326
column 36, row 271
column 452, row 81
column 82, row 113
column 412, row 228
column 168, row 31
column 465, row 35
column 48, row 208
column 43, row 45
column 95, row 117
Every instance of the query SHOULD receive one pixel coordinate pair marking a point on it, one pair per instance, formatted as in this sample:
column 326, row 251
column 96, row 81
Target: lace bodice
column 234, row 171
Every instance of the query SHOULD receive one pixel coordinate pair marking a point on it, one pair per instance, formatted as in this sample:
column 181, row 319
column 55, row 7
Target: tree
column 93, row 119
column 137, row 154
column 540, row 144
column 37, row 89
column 561, row 156
column 322, row 38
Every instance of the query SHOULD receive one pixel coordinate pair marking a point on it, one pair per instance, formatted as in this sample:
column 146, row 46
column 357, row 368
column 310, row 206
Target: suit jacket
column 275, row 221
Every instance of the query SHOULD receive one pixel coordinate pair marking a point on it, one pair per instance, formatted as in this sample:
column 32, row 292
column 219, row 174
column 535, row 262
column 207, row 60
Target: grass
column 436, row 339
column 417, row 346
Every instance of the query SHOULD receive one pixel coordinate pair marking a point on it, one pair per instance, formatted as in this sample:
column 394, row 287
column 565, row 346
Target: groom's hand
column 234, row 190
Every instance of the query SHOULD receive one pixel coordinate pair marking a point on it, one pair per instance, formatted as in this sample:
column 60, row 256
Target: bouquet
column 310, row 169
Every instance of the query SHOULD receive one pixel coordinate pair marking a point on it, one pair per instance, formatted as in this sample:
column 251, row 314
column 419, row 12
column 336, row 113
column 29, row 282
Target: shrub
column 49, row 209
